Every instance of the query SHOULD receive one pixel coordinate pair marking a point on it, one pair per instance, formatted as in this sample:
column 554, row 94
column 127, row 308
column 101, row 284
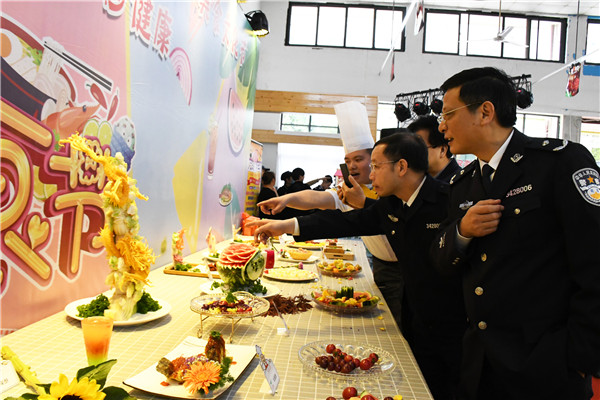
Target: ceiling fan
column 502, row 33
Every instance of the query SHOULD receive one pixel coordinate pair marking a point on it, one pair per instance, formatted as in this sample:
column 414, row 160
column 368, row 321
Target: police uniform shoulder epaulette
column 464, row 172
column 547, row 144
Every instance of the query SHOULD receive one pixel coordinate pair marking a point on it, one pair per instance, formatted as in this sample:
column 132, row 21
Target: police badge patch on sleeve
column 587, row 182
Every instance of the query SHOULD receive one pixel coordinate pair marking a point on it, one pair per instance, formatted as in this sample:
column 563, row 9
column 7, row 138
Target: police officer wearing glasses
column 524, row 230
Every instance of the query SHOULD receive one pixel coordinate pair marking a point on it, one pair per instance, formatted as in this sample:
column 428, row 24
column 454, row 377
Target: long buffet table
column 55, row 344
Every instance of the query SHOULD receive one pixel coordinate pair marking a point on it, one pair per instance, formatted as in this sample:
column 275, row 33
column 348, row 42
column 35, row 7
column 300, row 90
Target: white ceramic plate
column 290, row 274
column 272, row 290
column 149, row 380
column 309, row 260
column 136, row 319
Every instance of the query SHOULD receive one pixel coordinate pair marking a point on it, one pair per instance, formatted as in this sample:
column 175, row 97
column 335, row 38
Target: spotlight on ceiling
column 258, row 21
column 421, row 108
column 402, row 112
column 524, row 98
column 436, row 105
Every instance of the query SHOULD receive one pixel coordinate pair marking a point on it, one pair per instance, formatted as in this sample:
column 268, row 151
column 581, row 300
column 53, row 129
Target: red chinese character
column 242, row 51
column 162, row 36
column 141, row 16
column 114, row 8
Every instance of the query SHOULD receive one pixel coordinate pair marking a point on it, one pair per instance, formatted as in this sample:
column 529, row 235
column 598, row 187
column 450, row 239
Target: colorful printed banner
column 169, row 85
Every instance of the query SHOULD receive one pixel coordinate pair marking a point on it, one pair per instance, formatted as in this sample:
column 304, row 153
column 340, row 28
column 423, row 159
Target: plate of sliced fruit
column 345, row 300
column 339, row 268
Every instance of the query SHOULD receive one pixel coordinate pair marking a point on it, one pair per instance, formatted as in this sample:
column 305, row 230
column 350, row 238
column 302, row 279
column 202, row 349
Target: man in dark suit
column 523, row 227
column 409, row 211
column 442, row 165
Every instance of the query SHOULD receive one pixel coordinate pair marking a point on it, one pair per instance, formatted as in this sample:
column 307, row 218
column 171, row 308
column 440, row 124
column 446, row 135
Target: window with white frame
column 475, row 34
column 590, row 137
column 592, row 42
column 309, row 123
column 538, row 125
column 343, row 25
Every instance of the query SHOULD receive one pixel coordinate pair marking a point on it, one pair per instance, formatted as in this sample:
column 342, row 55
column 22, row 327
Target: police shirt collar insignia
column 516, row 158
column 392, row 218
column 473, row 174
column 564, row 144
column 466, row 205
column 443, row 240
column 545, row 143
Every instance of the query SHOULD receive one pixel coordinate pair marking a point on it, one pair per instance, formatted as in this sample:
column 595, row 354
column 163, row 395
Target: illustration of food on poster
column 254, row 176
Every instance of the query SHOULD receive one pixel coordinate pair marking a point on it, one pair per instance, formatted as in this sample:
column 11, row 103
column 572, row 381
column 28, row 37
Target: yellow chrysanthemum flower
column 83, row 389
column 201, row 376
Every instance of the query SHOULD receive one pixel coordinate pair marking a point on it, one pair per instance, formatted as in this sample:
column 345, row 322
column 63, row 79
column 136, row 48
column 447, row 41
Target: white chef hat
column 354, row 126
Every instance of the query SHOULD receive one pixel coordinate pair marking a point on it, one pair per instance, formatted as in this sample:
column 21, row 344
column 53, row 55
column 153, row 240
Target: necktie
column 486, row 178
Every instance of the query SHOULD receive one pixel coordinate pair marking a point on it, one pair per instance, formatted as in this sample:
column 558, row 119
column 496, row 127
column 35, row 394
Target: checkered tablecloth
column 55, row 344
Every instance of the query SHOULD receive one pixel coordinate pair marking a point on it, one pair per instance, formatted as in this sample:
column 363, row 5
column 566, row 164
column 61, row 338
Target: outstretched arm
column 303, row 200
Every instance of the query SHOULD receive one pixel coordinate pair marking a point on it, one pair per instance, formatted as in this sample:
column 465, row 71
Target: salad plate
column 136, row 319
column 259, row 305
column 384, row 365
column 151, row 381
column 272, row 290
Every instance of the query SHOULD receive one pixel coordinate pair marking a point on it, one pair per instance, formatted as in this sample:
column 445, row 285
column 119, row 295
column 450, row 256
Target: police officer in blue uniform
column 523, row 227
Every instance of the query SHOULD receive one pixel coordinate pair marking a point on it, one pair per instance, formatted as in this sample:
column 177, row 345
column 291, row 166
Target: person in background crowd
column 325, row 184
column 298, row 185
column 287, row 180
column 442, row 165
column 358, row 144
column 523, row 229
column 411, row 207
column 267, row 191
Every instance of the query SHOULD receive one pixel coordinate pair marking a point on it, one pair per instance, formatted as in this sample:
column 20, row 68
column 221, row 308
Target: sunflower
column 83, row 389
column 201, row 376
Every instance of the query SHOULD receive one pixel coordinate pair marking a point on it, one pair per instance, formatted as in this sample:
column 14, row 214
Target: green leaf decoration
column 98, row 372
column 116, row 393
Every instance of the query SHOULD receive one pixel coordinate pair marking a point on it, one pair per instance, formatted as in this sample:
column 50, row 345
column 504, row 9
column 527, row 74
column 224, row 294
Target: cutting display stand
column 259, row 307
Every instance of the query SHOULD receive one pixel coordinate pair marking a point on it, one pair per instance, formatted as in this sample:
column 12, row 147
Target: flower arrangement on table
column 87, row 385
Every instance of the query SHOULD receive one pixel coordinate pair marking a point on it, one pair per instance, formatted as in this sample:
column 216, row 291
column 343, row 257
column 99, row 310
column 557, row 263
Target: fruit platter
column 345, row 300
column 236, row 306
column 339, row 268
column 346, row 361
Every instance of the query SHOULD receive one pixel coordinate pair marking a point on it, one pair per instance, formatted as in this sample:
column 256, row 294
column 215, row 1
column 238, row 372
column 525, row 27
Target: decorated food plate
column 310, row 245
column 136, row 319
column 339, row 268
column 290, row 274
column 309, row 260
column 253, row 306
column 272, row 290
column 345, row 300
column 226, row 195
column 150, row 380
column 384, row 365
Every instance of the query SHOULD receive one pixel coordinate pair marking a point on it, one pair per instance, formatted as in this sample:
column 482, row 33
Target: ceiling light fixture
column 402, row 112
column 421, row 108
column 258, row 22
column 436, row 105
